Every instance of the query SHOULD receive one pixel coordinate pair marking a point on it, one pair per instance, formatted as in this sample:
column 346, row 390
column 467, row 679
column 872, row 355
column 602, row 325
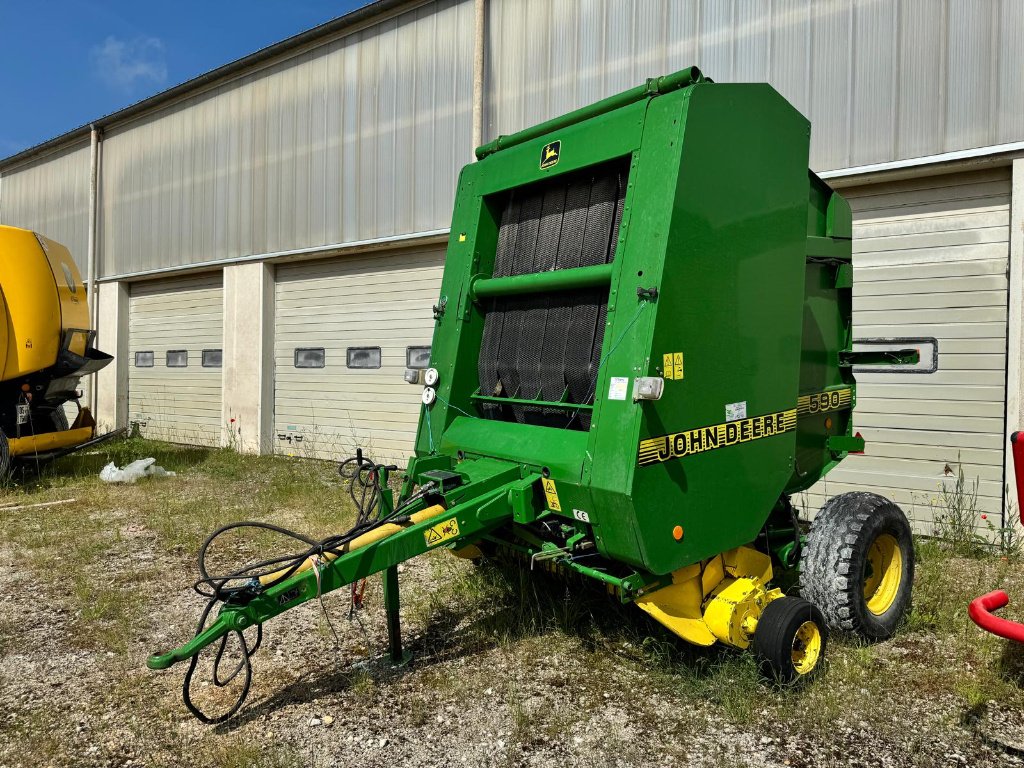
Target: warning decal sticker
column 703, row 439
column 552, row 494
column 672, row 366
column 442, row 532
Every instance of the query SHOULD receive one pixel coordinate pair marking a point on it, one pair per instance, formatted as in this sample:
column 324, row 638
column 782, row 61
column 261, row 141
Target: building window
column 213, row 358
column 177, row 358
column 143, row 359
column 362, row 357
column 309, row 357
column 417, row 357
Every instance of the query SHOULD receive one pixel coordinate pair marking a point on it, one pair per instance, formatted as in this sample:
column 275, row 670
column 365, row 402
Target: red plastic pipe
column 980, row 611
column 1017, row 449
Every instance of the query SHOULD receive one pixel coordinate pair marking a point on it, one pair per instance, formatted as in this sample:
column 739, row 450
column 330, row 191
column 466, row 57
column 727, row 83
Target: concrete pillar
column 248, row 400
column 112, row 338
column 1015, row 340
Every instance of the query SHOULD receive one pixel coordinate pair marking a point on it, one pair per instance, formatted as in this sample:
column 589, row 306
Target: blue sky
column 64, row 63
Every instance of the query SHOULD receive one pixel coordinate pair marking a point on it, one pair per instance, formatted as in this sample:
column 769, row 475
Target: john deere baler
column 642, row 350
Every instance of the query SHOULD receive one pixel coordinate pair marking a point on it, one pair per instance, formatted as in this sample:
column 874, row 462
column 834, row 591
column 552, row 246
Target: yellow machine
column 46, row 346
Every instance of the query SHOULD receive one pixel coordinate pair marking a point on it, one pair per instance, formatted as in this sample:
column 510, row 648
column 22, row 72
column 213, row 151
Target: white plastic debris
column 132, row 472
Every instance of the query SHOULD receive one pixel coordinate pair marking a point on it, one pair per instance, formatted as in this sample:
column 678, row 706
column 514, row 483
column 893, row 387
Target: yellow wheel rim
column 883, row 574
column 806, row 647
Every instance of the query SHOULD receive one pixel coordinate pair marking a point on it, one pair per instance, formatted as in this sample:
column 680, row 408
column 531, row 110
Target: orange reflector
column 828, row 423
column 677, row 533
column 25, row 387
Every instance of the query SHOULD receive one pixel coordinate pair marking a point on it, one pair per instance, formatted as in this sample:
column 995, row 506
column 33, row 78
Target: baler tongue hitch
column 385, row 534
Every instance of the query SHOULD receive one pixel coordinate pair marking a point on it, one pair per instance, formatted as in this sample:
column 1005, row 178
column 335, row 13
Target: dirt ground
column 509, row 668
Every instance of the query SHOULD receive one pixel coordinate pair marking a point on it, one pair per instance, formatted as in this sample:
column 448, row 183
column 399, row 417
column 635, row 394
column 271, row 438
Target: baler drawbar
column 643, row 348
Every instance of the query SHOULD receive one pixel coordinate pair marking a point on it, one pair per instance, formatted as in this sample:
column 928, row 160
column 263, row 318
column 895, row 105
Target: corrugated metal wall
column 359, row 138
column 51, row 196
column 363, row 137
column 880, row 80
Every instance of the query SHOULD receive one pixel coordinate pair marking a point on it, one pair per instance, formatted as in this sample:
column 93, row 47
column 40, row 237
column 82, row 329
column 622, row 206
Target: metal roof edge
column 928, row 164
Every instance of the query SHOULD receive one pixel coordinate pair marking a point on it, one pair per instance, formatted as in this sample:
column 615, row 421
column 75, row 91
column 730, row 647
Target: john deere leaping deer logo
column 549, row 155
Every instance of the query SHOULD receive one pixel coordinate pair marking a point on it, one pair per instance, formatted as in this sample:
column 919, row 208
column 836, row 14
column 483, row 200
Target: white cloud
column 122, row 64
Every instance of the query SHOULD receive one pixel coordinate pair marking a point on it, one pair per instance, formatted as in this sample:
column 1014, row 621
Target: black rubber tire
column 833, row 563
column 776, row 634
column 59, row 419
column 5, row 457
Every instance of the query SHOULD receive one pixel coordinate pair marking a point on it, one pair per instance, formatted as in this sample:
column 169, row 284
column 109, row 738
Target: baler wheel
column 858, row 564
column 60, row 420
column 5, row 456
column 790, row 640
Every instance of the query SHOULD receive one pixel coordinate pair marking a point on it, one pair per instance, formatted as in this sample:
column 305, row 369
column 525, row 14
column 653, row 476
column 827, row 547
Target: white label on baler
column 581, row 515
column 736, row 411
column 618, row 387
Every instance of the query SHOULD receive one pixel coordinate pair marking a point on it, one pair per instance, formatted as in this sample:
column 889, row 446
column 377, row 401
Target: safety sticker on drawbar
column 442, row 532
column 743, row 430
column 551, row 493
column 672, row 366
column 617, row 387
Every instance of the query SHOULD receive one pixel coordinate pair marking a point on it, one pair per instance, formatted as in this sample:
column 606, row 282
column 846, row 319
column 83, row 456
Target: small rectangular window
column 143, row 359
column 310, row 357
column 417, row 357
column 177, row 358
column 213, row 358
column 362, row 357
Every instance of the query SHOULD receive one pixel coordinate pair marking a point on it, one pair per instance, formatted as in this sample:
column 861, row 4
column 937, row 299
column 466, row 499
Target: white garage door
column 176, row 332
column 343, row 331
column 930, row 259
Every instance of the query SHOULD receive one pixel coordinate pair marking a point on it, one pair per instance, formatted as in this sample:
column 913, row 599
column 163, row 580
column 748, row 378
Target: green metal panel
column 731, row 255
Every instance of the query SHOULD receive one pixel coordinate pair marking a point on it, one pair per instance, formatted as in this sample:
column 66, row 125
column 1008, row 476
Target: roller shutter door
column 179, row 403
column 931, row 259
column 360, row 303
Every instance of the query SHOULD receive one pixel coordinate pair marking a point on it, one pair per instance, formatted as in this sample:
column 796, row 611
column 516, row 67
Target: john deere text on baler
column 46, row 346
column 642, row 350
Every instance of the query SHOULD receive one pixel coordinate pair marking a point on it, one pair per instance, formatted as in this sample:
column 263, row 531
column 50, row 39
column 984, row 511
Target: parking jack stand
column 399, row 657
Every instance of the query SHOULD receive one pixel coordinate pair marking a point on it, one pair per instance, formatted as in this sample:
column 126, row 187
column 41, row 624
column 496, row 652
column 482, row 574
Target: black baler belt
column 487, row 365
column 512, row 328
column 570, row 248
column 549, row 345
column 531, row 343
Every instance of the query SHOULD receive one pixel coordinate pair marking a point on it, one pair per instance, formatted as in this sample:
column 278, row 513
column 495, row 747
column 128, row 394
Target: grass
column 940, row 658
column 94, row 542
column 106, row 579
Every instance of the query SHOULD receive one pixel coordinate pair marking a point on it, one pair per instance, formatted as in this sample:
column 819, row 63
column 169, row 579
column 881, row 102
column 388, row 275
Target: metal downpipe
column 90, row 269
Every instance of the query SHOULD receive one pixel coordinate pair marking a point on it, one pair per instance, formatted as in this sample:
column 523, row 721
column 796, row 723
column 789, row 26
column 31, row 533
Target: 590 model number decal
column 703, row 439
column 820, row 402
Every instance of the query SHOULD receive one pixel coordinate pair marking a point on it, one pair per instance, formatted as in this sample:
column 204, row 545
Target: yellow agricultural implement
column 46, row 347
